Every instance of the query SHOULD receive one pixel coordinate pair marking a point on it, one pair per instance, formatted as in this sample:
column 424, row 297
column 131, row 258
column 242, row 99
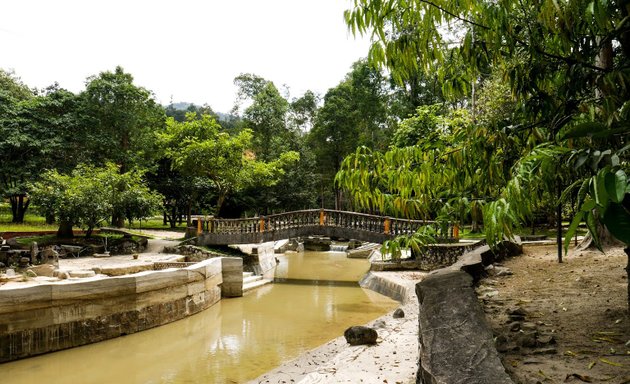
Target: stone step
column 251, row 279
column 256, row 284
column 247, row 274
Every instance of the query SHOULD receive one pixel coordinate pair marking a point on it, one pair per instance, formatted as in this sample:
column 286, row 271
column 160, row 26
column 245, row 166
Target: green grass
column 155, row 223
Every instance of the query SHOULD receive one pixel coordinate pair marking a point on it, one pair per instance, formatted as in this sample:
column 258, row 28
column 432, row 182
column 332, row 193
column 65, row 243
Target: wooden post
column 322, row 217
column 456, row 231
column 262, row 224
column 199, row 226
column 386, row 225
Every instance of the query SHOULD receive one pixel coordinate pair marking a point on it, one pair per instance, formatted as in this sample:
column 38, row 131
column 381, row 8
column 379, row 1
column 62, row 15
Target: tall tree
column 37, row 132
column 354, row 113
column 199, row 148
column 121, row 119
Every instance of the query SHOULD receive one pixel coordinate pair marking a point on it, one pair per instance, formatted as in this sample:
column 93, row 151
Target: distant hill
column 183, row 106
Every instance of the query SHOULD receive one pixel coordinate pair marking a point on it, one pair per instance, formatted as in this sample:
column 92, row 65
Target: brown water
column 234, row 341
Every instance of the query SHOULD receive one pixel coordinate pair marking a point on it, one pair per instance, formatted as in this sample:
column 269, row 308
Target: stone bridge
column 313, row 222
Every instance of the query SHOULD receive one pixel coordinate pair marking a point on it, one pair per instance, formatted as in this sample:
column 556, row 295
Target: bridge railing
column 323, row 217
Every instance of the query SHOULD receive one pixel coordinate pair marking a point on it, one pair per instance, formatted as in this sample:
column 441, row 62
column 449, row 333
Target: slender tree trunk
column 88, row 232
column 65, row 230
column 627, row 250
column 189, row 215
column 50, row 218
column 559, row 223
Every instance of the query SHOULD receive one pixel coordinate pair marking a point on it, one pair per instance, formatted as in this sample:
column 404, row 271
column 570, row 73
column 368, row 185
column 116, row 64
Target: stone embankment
column 52, row 316
column 445, row 339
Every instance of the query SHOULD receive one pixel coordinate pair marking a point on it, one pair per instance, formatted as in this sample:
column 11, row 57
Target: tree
column 87, row 196
column 121, row 122
column 37, row 132
column 199, row 148
column 303, row 111
column 354, row 113
column 121, row 119
column 566, row 64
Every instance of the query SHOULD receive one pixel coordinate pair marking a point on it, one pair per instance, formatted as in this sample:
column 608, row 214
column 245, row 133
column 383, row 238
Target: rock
column 546, row 340
column 527, row 326
column 50, row 256
column 360, row 335
column 82, row 274
column 527, row 340
column 516, row 314
column 502, row 271
column 24, row 262
column 61, row 275
column 399, row 313
column 30, row 273
column 515, row 326
column 545, row 351
column 456, row 344
column 34, row 251
column 43, row 270
column 380, row 324
column 10, row 272
column 486, row 292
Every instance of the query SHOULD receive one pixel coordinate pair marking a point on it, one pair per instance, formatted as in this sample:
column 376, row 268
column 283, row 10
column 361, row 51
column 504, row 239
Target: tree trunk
column 627, row 250
column 88, row 232
column 189, row 215
column 118, row 220
column 19, row 205
column 50, row 218
column 65, row 230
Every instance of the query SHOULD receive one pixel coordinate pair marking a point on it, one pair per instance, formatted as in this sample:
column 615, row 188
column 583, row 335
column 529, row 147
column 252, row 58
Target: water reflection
column 231, row 342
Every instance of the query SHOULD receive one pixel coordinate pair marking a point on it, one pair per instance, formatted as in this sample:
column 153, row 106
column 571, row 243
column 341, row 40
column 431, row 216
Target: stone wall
column 456, row 344
column 261, row 260
column 436, row 256
column 54, row 316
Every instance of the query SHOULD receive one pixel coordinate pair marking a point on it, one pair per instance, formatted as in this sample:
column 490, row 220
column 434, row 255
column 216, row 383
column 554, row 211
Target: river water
column 314, row 300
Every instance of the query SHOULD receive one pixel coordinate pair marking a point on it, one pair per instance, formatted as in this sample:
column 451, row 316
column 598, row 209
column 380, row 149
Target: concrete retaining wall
column 50, row 317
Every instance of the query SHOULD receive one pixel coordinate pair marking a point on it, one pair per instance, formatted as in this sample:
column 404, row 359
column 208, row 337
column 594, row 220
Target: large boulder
column 456, row 344
column 360, row 335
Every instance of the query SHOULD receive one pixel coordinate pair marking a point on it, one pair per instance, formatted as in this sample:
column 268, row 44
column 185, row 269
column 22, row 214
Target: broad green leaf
column 572, row 229
column 583, row 130
column 591, row 223
column 588, row 206
column 616, row 184
column 617, row 220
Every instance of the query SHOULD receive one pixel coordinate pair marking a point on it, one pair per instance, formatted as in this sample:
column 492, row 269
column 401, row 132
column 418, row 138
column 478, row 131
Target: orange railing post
column 322, row 217
column 262, row 224
column 386, row 225
column 198, row 226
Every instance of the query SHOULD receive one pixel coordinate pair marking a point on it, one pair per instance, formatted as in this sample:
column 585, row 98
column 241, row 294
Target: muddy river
column 313, row 301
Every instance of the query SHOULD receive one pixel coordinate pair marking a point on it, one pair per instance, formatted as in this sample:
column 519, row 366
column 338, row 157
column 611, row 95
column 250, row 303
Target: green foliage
column 88, row 195
column 199, row 147
column 416, row 243
column 421, row 128
column 121, row 120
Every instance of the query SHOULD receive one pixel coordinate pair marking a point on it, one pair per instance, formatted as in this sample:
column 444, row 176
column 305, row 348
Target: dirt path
column 558, row 323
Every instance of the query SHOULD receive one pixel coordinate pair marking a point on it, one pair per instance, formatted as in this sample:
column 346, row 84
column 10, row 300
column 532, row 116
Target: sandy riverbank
column 392, row 360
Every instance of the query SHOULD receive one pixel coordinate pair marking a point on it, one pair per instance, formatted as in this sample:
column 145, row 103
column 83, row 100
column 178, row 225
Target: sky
column 182, row 50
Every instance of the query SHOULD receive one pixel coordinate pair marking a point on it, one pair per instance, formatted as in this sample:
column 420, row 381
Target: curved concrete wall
column 50, row 317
